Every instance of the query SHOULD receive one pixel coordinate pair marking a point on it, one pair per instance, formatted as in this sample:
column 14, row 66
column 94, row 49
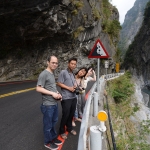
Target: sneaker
column 51, row 146
column 57, row 142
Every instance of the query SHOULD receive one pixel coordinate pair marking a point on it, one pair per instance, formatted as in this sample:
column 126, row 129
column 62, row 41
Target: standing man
column 67, row 83
column 46, row 85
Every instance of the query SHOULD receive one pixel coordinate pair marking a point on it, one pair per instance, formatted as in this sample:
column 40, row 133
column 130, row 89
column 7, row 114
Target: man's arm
column 72, row 89
column 47, row 92
column 43, row 91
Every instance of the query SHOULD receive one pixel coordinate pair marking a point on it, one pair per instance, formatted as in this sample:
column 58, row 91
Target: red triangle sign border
column 98, row 56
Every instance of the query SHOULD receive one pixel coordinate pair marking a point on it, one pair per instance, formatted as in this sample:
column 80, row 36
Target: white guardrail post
column 95, row 104
column 96, row 132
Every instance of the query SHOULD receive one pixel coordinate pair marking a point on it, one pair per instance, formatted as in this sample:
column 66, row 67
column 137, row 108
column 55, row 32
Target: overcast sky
column 123, row 6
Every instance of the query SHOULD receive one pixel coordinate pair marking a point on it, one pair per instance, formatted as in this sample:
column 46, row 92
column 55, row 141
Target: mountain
column 137, row 58
column 32, row 30
column 132, row 23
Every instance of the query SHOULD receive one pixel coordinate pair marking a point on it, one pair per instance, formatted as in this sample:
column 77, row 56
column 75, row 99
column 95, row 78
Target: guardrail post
column 95, row 104
column 95, row 138
column 96, row 132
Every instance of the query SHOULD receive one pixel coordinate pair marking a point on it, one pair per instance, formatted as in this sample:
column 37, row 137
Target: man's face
column 53, row 63
column 72, row 65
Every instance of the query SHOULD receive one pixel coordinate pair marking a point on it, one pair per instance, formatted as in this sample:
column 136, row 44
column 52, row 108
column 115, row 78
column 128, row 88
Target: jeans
column 50, row 118
column 76, row 113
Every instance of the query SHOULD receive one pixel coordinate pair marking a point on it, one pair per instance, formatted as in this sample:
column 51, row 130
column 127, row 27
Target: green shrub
column 106, row 9
column 107, row 12
column 105, row 25
column 118, row 55
column 78, row 4
column 78, row 31
column 136, row 108
column 121, row 88
column 74, row 12
column 96, row 13
column 114, row 28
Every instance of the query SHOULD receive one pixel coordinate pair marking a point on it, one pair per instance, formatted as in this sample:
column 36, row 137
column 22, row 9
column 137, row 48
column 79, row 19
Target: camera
column 77, row 91
column 83, row 88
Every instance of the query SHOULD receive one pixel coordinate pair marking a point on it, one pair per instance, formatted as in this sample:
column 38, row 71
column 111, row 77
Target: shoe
column 73, row 132
column 51, row 146
column 78, row 119
column 57, row 142
column 63, row 136
column 73, row 124
column 80, row 116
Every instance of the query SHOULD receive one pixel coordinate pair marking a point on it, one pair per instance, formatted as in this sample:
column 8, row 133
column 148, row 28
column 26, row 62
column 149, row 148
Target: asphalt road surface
column 21, row 126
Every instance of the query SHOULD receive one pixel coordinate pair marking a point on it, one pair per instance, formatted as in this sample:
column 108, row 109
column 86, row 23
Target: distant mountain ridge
column 132, row 23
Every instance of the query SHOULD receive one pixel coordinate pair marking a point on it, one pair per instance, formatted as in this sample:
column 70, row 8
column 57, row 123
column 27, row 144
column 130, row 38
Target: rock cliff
column 132, row 23
column 137, row 57
column 32, row 30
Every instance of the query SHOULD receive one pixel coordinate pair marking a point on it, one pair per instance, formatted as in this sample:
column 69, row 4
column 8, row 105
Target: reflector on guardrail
column 102, row 116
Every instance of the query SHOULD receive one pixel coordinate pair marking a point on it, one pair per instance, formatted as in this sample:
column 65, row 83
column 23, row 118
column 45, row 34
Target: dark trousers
column 68, row 110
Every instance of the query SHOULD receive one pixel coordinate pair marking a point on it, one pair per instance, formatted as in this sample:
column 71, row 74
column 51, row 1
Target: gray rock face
column 132, row 23
column 138, row 55
column 33, row 30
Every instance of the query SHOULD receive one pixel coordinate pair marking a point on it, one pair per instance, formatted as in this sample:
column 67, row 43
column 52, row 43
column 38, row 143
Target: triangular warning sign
column 98, row 51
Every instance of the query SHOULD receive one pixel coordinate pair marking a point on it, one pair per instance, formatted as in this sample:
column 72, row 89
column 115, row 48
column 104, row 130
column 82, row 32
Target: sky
column 123, row 6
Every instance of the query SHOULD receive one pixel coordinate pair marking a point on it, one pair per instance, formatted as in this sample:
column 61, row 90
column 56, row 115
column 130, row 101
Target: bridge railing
column 82, row 141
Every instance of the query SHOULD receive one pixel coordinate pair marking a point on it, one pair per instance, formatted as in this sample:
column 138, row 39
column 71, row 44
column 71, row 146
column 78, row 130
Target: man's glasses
column 54, row 63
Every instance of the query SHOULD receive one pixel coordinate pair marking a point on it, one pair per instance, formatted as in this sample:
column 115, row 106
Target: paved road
column 20, row 118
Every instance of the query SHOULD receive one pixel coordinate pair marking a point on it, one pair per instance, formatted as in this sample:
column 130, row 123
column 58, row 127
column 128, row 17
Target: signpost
column 106, row 66
column 98, row 51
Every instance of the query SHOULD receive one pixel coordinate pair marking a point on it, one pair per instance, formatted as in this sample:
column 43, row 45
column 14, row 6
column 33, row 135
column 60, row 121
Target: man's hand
column 57, row 96
column 72, row 89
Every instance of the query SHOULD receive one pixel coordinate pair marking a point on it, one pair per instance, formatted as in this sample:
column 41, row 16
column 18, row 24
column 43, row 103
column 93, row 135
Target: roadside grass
column 128, row 134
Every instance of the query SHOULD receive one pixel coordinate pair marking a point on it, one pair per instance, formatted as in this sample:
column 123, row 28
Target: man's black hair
column 49, row 57
column 73, row 58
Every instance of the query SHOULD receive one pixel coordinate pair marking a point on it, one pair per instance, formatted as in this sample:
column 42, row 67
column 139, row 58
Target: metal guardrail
column 82, row 141
column 85, row 119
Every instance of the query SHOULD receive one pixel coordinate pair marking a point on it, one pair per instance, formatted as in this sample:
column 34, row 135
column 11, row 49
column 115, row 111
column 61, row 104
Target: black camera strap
column 74, row 78
column 76, row 81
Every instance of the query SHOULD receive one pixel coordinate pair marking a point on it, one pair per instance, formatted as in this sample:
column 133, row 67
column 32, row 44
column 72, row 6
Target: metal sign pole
column 98, row 72
column 106, row 66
